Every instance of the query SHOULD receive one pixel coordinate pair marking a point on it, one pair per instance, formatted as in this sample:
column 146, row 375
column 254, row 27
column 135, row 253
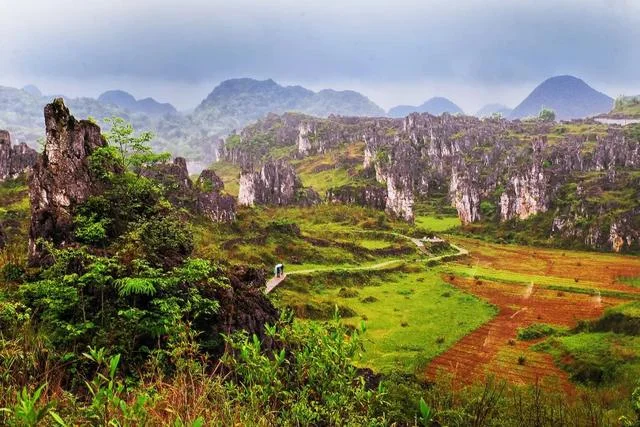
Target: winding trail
column 386, row 265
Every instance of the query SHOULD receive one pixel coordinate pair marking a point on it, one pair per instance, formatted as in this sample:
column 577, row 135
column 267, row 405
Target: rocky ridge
column 493, row 169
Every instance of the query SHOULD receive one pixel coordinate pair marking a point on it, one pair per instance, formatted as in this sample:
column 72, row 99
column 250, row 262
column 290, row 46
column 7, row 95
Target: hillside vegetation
column 150, row 312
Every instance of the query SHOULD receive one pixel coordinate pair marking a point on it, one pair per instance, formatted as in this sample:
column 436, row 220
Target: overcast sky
column 395, row 52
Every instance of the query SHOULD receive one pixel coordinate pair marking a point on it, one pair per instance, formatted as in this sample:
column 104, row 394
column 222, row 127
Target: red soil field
column 604, row 268
column 493, row 349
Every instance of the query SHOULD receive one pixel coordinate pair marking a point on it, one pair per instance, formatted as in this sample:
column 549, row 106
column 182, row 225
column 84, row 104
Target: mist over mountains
column 237, row 102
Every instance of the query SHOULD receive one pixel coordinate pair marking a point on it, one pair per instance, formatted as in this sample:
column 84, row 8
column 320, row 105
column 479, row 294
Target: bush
column 90, row 230
column 11, row 272
column 309, row 379
column 347, row 293
column 547, row 115
column 166, row 242
column 535, row 331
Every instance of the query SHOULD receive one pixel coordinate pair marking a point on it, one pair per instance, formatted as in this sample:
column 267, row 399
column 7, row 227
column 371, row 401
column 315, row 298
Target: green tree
column 133, row 151
column 547, row 115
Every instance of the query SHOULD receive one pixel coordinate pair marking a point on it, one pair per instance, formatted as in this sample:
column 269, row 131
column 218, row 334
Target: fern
column 136, row 286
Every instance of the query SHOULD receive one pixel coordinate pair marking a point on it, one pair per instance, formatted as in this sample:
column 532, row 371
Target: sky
column 395, row 52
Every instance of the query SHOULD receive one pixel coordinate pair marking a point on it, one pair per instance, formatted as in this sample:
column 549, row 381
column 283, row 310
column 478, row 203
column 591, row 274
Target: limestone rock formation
column 465, row 196
column 14, row 160
column 61, row 178
column 492, row 169
column 275, row 184
column 206, row 197
column 211, row 201
column 174, row 177
column 526, row 192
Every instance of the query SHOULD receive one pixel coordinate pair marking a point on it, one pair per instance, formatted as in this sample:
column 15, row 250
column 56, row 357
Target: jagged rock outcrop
column 620, row 235
column 206, row 197
column 465, row 196
column 243, row 305
column 211, row 201
column 526, row 192
column 306, row 133
column 174, row 177
column 492, row 169
column 368, row 196
column 61, row 178
column 624, row 232
column 275, row 184
column 14, row 160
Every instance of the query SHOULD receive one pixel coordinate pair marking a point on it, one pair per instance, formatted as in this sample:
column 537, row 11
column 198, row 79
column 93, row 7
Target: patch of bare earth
column 493, row 349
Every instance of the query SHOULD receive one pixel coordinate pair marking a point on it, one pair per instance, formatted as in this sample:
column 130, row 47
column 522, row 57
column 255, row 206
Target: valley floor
column 466, row 317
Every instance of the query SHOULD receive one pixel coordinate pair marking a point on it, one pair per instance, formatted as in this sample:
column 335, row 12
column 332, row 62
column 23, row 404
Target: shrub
column 535, row 331
column 165, row 241
column 89, row 229
column 547, row 115
column 11, row 272
column 347, row 293
column 309, row 378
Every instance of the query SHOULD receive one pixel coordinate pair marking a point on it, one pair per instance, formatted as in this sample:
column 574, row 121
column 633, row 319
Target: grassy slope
column 408, row 314
column 230, row 175
column 14, row 214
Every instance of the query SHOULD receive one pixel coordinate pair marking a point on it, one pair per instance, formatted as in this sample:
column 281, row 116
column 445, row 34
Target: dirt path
column 275, row 281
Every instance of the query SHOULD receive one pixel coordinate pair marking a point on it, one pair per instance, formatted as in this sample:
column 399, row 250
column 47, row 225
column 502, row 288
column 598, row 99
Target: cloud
column 470, row 43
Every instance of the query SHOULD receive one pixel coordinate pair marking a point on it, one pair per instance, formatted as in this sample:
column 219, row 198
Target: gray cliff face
column 465, row 196
column 174, row 177
column 211, row 201
column 276, row 183
column 526, row 192
column 622, row 234
column 61, row 178
column 14, row 160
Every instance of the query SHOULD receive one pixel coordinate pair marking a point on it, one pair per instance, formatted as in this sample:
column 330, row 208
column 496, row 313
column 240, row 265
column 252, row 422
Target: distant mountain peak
column 569, row 96
column 436, row 106
column 246, row 99
column 32, row 90
column 125, row 100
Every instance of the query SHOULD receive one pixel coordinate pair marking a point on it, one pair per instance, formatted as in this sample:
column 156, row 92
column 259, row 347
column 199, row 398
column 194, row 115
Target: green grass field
column 437, row 224
column 410, row 317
